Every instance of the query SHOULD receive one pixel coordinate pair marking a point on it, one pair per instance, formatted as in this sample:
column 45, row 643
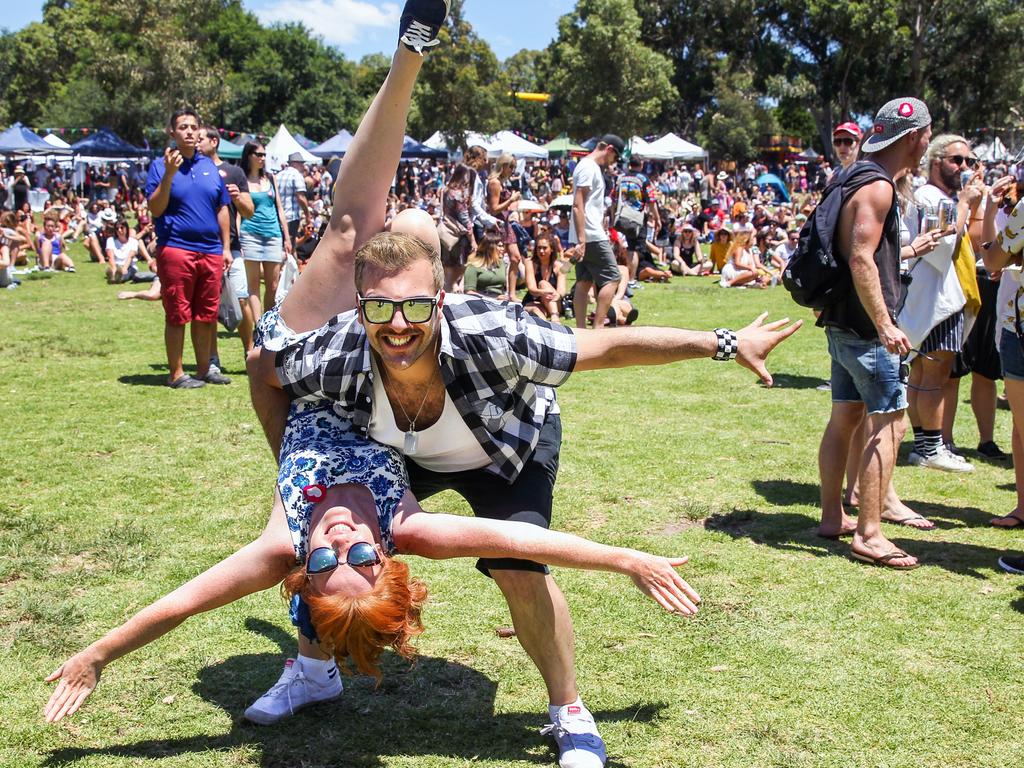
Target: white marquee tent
column 679, row 148
column 506, row 141
column 284, row 144
column 642, row 149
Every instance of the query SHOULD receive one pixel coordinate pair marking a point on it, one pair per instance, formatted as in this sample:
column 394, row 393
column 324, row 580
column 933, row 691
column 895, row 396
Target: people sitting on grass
column 740, row 267
column 545, row 281
column 687, row 258
column 52, row 253
column 97, row 238
column 486, row 271
column 123, row 251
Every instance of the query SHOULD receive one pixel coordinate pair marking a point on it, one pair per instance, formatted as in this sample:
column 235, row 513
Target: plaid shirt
column 290, row 184
column 499, row 364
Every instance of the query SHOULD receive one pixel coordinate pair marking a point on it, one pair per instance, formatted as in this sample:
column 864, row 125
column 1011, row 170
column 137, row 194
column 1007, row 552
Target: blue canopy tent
column 106, row 143
column 19, row 140
column 771, row 180
column 336, row 145
column 303, row 141
column 412, row 149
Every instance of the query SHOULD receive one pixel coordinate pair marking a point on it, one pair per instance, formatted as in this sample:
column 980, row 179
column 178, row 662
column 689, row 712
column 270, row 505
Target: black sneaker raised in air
column 421, row 22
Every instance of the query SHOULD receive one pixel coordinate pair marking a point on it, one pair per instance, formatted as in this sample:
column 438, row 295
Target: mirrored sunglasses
column 362, row 554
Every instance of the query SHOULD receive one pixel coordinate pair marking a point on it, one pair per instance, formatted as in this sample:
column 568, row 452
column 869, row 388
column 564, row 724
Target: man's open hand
column 757, row 340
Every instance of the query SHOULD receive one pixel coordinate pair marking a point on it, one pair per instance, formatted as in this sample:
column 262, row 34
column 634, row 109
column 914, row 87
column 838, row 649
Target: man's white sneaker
column 579, row 743
column 943, row 460
column 292, row 692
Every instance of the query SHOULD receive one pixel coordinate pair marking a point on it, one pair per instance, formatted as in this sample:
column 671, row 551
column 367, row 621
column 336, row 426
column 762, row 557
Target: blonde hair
column 488, row 252
column 392, row 252
column 505, row 159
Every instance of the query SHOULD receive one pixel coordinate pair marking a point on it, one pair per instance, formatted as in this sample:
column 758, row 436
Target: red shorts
column 189, row 284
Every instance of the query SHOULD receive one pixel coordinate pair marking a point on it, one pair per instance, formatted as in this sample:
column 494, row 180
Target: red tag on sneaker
column 314, row 493
column 574, row 710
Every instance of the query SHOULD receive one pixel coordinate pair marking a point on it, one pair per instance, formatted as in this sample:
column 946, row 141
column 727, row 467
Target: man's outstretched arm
column 657, row 346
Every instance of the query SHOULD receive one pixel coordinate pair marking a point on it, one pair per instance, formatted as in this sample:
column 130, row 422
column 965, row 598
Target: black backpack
column 814, row 277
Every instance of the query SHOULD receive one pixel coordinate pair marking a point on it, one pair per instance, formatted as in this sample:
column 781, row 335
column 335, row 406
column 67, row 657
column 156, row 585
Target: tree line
column 723, row 72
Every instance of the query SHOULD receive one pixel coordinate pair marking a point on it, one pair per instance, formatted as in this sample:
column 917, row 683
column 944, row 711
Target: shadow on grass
column 790, row 531
column 434, row 707
column 796, row 381
column 783, row 493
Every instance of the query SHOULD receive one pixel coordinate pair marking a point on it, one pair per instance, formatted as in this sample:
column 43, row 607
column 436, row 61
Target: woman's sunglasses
column 418, row 310
column 362, row 554
column 260, row 154
column 844, row 142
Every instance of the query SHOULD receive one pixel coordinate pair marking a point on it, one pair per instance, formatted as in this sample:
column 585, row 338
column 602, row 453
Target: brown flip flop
column 885, row 560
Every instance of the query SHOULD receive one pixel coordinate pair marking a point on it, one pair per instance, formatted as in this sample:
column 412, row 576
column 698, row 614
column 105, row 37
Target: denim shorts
column 865, row 372
column 258, row 248
column 1011, row 356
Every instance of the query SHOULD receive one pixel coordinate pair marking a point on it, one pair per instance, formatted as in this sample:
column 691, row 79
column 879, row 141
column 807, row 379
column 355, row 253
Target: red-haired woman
column 337, row 555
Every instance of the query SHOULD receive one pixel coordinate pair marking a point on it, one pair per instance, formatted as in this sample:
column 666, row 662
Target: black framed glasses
column 958, row 160
column 362, row 554
column 418, row 309
column 844, row 141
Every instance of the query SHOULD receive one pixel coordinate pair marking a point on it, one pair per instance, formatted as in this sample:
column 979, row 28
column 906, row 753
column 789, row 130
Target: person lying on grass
column 360, row 599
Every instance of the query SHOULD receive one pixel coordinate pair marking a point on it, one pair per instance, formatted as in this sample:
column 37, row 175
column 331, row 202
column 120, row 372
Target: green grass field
column 116, row 489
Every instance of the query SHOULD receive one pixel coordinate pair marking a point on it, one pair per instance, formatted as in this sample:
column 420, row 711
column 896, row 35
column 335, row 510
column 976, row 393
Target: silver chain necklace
column 411, row 442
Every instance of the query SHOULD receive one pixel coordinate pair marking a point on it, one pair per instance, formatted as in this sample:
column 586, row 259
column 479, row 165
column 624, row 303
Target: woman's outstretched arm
column 259, row 565
column 440, row 537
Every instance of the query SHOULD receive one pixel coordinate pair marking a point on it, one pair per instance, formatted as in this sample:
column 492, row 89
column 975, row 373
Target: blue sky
column 358, row 27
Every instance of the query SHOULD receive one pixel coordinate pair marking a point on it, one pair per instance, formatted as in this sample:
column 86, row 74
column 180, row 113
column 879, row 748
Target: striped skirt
column 947, row 336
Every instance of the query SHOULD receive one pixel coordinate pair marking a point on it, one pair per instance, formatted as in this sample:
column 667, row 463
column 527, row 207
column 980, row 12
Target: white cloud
column 339, row 22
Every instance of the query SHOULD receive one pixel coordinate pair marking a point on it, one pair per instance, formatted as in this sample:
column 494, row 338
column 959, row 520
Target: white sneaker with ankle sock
column 303, row 682
column 574, row 729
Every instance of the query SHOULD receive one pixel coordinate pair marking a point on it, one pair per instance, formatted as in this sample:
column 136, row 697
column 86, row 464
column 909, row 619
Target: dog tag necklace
column 412, row 441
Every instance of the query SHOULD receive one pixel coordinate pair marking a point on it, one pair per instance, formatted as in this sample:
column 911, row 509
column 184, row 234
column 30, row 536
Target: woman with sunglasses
column 262, row 235
column 354, row 513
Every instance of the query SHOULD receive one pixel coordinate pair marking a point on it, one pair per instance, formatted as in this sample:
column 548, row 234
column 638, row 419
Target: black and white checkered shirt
column 498, row 361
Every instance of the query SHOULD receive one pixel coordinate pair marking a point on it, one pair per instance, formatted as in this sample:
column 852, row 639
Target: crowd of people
column 418, row 342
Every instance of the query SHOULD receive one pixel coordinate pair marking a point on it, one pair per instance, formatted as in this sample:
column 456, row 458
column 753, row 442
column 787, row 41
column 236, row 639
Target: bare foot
column 899, row 513
column 847, row 526
column 882, row 552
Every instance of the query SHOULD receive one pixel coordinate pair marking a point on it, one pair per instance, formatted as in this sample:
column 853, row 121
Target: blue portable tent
column 336, row 145
column 303, row 141
column 412, row 148
column 771, row 180
column 19, row 140
column 106, row 143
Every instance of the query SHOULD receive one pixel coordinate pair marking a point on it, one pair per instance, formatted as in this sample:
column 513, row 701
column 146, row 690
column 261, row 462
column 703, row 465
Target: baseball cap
column 614, row 141
column 851, row 128
column 895, row 120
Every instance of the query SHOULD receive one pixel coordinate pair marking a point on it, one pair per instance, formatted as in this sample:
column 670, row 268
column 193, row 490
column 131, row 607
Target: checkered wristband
column 728, row 344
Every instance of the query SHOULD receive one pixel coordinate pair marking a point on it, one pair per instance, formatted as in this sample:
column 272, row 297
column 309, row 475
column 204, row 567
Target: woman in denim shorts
column 262, row 235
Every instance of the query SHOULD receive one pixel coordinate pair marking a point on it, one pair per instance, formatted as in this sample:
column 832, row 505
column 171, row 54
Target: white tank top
column 447, row 446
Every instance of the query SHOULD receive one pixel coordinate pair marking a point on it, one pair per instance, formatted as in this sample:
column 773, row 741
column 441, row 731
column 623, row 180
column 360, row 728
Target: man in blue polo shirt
column 189, row 203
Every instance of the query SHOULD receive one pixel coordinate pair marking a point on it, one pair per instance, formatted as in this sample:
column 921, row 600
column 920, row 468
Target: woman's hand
column 78, row 676
column 926, row 242
column 656, row 577
column 997, row 194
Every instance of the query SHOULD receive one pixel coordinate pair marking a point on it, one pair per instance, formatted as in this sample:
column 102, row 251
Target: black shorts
column 527, row 500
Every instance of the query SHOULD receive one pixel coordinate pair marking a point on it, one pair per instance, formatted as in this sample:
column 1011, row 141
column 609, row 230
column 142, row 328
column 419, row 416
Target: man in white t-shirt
column 592, row 250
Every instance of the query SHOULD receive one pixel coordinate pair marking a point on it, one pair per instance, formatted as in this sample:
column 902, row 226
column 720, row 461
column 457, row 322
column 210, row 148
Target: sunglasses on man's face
column 844, row 141
column 958, row 160
column 362, row 554
column 415, row 310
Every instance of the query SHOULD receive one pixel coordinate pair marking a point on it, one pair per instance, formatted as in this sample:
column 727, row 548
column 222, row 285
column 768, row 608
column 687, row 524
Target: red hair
column 361, row 627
